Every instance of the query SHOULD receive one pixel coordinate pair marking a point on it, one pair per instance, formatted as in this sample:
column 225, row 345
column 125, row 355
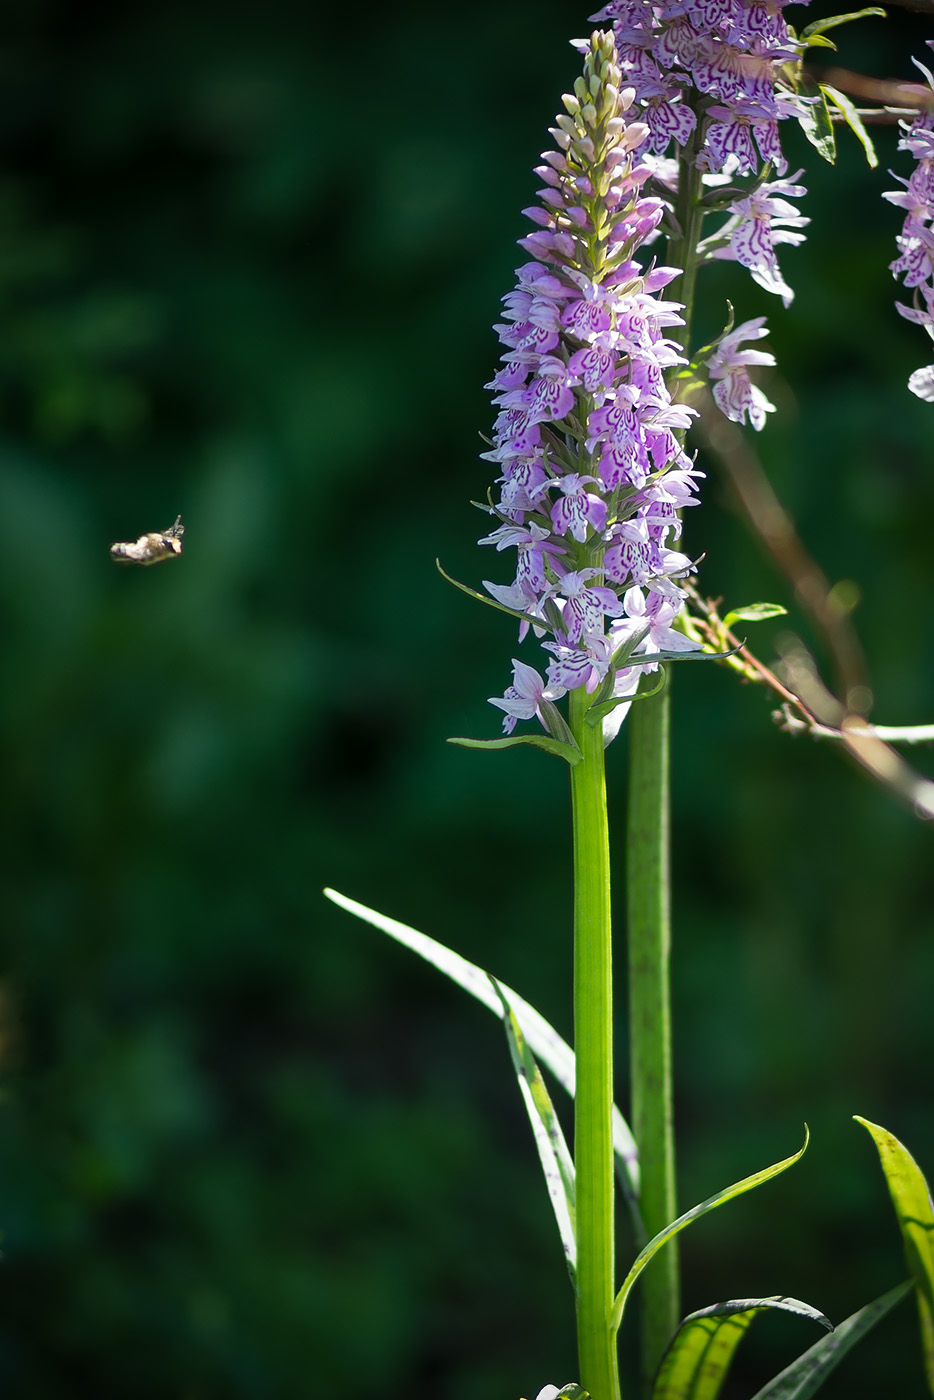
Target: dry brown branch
column 807, row 704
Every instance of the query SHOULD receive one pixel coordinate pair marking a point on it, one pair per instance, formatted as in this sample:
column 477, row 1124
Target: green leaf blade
column 557, row 1165
column 854, row 121
column 570, row 753
column 815, row 122
column 801, row 1379
column 488, row 602
column 821, row 26
column 914, row 1210
column 703, row 1208
column 754, row 612
column 699, row 1356
column 550, row 1048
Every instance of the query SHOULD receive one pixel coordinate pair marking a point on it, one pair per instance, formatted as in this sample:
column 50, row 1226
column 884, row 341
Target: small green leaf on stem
column 820, row 26
column 465, row 588
column 694, row 655
column 597, row 712
column 570, row 754
column 814, row 120
column 854, row 121
column 754, row 612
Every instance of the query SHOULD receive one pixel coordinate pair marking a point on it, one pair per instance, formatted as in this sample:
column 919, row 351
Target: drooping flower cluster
column 915, row 262
column 588, row 440
column 708, row 75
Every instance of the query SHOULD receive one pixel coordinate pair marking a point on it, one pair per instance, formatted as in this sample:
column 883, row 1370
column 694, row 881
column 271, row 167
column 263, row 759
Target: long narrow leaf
column 557, row 1166
column 546, row 1044
column 695, row 1365
column 695, row 1213
column 802, row 1378
column 911, row 1198
column 821, row 26
column 853, row 121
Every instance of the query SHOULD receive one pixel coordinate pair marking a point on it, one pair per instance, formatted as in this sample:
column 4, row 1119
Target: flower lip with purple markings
column 735, row 395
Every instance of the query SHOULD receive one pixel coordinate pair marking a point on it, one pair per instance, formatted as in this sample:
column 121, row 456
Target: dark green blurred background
column 249, row 259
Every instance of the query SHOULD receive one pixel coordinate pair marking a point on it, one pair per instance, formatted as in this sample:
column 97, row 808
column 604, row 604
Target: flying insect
column 152, row 548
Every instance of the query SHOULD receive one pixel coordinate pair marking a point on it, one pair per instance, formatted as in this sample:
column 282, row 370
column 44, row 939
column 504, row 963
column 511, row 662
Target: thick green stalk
column 649, row 945
column 593, row 1043
column 648, row 882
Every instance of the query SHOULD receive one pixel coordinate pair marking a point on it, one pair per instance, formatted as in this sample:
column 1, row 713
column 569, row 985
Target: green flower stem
column 593, row 1044
column 649, row 946
column 648, row 881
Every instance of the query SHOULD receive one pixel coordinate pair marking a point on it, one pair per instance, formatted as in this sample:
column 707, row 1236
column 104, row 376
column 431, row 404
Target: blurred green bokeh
column 249, row 259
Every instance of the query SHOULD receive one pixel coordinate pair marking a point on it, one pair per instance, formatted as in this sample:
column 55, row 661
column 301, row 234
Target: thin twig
column 776, row 529
column 806, row 702
column 882, row 92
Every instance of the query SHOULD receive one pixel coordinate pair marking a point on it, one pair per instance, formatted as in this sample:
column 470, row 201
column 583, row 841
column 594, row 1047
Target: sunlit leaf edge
column 703, row 1208
column 808, row 1371
column 689, row 1371
column 547, row 1045
column 553, row 1154
column 914, row 1210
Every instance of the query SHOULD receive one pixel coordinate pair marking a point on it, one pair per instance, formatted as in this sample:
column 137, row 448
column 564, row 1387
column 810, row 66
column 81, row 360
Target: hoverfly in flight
column 151, row 548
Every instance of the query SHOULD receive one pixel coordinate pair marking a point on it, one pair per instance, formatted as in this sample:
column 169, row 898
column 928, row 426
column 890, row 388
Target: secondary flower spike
column 915, row 263
column 588, row 441
column 709, row 77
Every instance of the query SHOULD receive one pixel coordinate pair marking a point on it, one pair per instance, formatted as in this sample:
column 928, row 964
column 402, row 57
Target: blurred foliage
column 249, row 258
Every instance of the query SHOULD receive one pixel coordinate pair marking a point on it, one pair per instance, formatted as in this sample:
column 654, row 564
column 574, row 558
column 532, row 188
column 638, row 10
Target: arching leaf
column 802, row 1378
column 696, row 1363
column 695, row 1213
column 557, row 1164
column 551, row 1049
column 911, row 1198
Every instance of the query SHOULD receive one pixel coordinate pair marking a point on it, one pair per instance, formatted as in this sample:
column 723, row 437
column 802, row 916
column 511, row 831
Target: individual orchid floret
column 587, row 435
column 759, row 221
column 525, row 697
column 921, row 382
column 915, row 262
column 650, row 617
column 735, row 395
